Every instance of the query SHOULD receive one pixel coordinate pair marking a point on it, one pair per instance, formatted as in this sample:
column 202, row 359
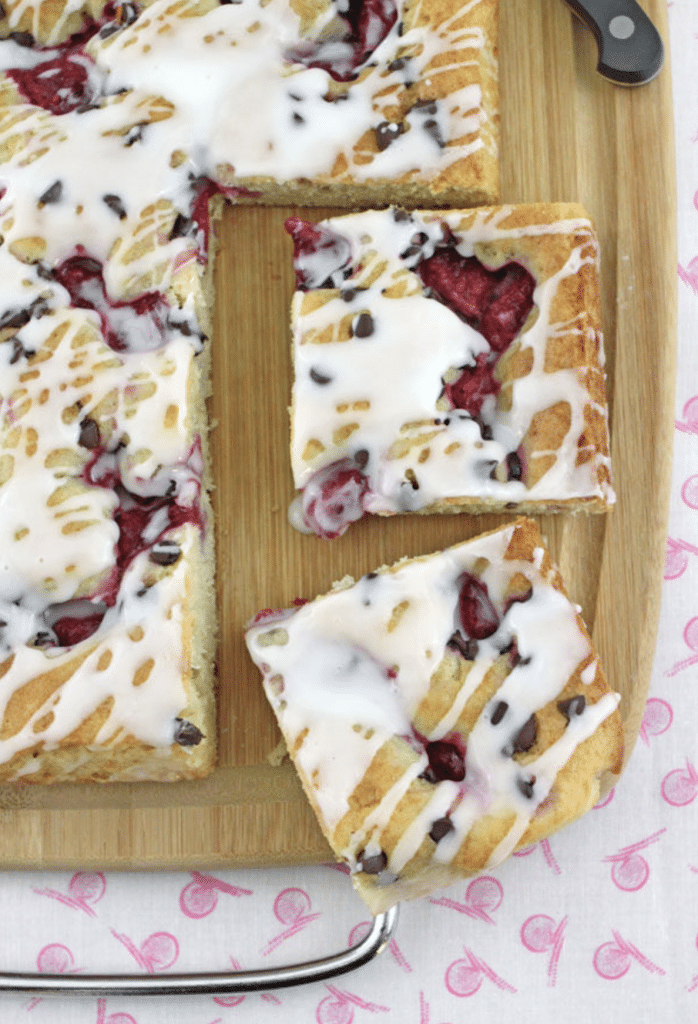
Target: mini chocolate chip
column 108, row 30
column 374, row 865
column 432, row 129
column 440, row 828
column 294, row 96
column 572, row 706
column 115, row 205
column 525, row 786
column 386, row 133
column 361, row 458
column 348, row 295
column 165, row 552
column 426, row 106
column 15, row 319
column 467, row 647
column 298, row 118
column 89, row 434
column 499, row 712
column 410, row 251
column 181, row 227
column 514, row 467
column 486, row 432
column 44, row 272
column 319, row 378
column 510, row 506
column 17, row 351
column 364, row 326
column 52, row 194
column 186, row 733
column 398, row 64
column 371, row 575
column 22, row 38
column 400, row 215
column 525, row 737
column 419, row 238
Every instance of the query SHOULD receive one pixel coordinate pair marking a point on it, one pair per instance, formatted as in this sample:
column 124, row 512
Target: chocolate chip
column 297, row 118
column 15, row 319
column 386, row 133
column 364, row 326
column 525, row 737
column 165, row 552
column 181, row 227
column 52, row 194
column 468, row 648
column 374, row 865
column 22, row 38
column 399, row 64
column 514, row 467
column 17, row 351
column 499, row 712
column 115, row 205
column 108, row 30
column 361, row 458
column 426, row 106
column 440, row 828
column 486, row 432
column 348, row 295
column 525, row 786
column 89, row 434
column 432, row 129
column 572, row 706
column 319, row 378
column 400, row 215
column 186, row 733
column 410, row 252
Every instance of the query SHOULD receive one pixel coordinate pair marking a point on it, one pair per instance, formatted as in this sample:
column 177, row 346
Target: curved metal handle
column 631, row 51
column 214, row 984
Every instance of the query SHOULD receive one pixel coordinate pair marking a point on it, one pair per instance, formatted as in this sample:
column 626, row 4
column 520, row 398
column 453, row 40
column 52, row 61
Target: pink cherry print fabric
column 596, row 923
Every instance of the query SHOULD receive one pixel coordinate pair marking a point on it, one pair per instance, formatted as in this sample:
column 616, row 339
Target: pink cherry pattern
column 690, row 636
column 464, row 977
column 540, row 934
column 483, row 896
column 156, row 953
column 200, row 896
column 339, row 1007
column 229, row 1001
column 630, row 871
column 613, row 960
column 689, row 423
column 84, row 889
column 291, row 908
column 680, row 786
column 656, row 720
column 113, row 1018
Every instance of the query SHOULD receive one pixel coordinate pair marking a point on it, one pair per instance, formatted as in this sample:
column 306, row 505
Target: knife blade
column 631, row 51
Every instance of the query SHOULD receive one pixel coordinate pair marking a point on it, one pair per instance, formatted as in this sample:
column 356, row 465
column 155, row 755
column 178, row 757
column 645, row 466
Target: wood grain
column 566, row 135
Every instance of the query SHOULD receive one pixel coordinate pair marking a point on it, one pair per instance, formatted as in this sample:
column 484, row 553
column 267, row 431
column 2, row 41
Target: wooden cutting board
column 566, row 135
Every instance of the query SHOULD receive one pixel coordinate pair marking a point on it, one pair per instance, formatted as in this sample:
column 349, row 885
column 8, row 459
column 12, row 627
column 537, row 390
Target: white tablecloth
column 599, row 922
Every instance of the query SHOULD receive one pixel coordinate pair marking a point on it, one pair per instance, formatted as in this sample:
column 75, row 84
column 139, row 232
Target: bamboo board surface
column 566, row 135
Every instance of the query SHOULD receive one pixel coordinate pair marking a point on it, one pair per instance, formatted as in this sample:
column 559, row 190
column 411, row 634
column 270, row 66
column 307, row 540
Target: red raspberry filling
column 334, row 499
column 60, row 85
column 143, row 324
column 73, row 630
column 331, row 250
column 478, row 616
column 200, row 217
column 367, row 23
column 495, row 303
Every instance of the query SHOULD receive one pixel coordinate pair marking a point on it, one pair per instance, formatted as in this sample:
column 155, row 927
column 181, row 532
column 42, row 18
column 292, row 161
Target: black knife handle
column 630, row 48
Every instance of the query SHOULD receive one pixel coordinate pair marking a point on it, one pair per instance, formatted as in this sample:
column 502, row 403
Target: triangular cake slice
column 441, row 712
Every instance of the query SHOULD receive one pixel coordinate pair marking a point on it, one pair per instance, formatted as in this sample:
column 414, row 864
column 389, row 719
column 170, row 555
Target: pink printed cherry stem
column 361, row 930
column 482, row 895
column 627, row 851
column 690, row 635
column 200, row 896
column 680, row 786
column 635, row 953
column 83, row 889
column 539, row 935
column 158, row 952
column 656, row 720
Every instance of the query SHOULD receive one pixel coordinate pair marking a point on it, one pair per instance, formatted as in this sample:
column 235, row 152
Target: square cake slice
column 447, row 362
column 301, row 101
column 441, row 712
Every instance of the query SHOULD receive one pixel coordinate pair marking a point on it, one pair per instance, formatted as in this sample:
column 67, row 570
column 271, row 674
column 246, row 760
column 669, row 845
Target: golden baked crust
column 451, row 361
column 427, row 753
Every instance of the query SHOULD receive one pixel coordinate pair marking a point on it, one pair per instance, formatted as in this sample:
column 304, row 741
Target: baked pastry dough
column 441, row 712
column 447, row 362
column 122, row 129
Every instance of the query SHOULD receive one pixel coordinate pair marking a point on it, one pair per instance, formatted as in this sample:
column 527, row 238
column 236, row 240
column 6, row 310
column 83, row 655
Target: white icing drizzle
column 347, row 673
column 379, row 393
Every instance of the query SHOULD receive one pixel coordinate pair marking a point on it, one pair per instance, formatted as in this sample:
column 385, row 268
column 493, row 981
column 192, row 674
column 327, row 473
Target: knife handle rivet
column 621, row 27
